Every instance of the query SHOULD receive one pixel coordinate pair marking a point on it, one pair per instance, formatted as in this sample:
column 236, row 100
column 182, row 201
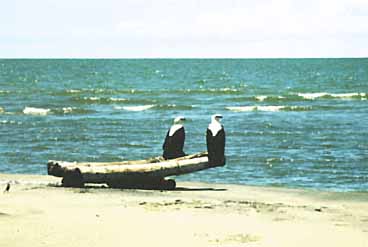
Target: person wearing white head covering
column 174, row 141
column 215, row 138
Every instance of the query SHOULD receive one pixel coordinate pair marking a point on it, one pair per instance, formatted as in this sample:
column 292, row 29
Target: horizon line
column 183, row 58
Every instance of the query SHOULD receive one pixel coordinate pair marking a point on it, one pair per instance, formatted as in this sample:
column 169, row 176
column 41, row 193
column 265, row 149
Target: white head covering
column 177, row 120
column 215, row 125
column 178, row 123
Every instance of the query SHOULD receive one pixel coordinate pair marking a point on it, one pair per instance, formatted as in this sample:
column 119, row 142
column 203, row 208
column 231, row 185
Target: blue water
column 289, row 122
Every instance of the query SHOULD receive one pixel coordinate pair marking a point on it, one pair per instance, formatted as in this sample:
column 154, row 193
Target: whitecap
column 35, row 111
column 67, row 109
column 347, row 95
column 255, row 108
column 216, row 90
column 92, row 98
column 312, row 96
column 73, row 91
column 261, row 97
column 2, row 110
column 241, row 108
column 227, row 89
column 10, row 122
column 270, row 108
column 135, row 108
column 118, row 99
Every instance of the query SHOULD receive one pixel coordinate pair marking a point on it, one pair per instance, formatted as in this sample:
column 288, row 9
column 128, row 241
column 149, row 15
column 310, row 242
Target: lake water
column 289, row 122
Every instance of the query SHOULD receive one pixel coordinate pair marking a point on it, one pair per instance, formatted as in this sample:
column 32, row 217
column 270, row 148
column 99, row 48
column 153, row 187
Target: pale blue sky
column 191, row 28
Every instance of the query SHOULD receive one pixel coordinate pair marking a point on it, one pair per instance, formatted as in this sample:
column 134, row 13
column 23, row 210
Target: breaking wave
column 9, row 122
column 72, row 111
column 110, row 100
column 36, row 111
column 313, row 96
column 267, row 108
column 73, row 92
column 134, row 108
column 298, row 97
column 176, row 107
column 224, row 90
column 211, row 91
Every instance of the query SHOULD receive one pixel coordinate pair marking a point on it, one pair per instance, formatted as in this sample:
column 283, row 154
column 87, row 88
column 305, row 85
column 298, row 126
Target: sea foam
column 67, row 109
column 312, row 96
column 134, row 108
column 255, row 108
column 261, row 97
column 73, row 91
column 118, row 99
column 36, row 111
column 267, row 108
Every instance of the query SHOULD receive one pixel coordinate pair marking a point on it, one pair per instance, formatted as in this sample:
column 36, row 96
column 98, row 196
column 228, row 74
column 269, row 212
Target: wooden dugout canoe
column 149, row 173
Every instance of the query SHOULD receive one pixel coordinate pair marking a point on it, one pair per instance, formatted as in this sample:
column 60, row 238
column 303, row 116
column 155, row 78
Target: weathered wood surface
column 59, row 168
column 129, row 171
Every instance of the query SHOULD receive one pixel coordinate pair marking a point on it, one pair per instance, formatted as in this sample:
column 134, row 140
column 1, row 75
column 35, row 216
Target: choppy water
column 289, row 122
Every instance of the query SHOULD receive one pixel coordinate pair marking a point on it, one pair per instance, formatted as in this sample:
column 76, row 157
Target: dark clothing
column 216, row 147
column 173, row 145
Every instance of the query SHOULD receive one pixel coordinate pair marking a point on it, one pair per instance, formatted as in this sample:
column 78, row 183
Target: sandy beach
column 38, row 212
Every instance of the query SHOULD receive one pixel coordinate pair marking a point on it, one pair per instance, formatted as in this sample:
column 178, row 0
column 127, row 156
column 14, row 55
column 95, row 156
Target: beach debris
column 7, row 188
column 134, row 174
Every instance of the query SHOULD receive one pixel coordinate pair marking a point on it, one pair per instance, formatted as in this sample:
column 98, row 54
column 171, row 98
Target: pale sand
column 34, row 214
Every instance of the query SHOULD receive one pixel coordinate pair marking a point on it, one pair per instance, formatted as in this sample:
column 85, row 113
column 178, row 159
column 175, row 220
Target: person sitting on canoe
column 174, row 141
column 215, row 138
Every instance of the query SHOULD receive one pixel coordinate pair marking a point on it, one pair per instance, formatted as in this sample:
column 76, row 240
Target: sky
column 183, row 29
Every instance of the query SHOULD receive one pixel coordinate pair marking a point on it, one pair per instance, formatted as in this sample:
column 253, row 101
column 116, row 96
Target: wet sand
column 38, row 212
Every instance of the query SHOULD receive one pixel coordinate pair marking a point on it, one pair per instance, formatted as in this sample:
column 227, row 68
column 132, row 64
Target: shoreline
column 37, row 212
column 6, row 177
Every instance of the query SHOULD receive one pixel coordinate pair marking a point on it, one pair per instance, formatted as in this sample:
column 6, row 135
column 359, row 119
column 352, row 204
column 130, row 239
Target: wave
column 267, row 108
column 67, row 109
column 158, row 107
column 2, row 110
column 110, row 100
column 9, row 122
column 212, row 91
column 134, row 108
column 133, row 145
column 297, row 97
column 96, row 91
column 269, row 98
column 72, row 91
column 36, row 111
column 176, row 107
column 71, row 110
column 223, row 90
column 313, row 96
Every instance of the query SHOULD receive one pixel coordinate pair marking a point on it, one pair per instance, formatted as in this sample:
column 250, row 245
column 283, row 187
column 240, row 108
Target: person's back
column 174, row 140
column 215, row 139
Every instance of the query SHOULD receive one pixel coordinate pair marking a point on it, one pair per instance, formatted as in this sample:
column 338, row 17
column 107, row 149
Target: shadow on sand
column 197, row 189
column 103, row 186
